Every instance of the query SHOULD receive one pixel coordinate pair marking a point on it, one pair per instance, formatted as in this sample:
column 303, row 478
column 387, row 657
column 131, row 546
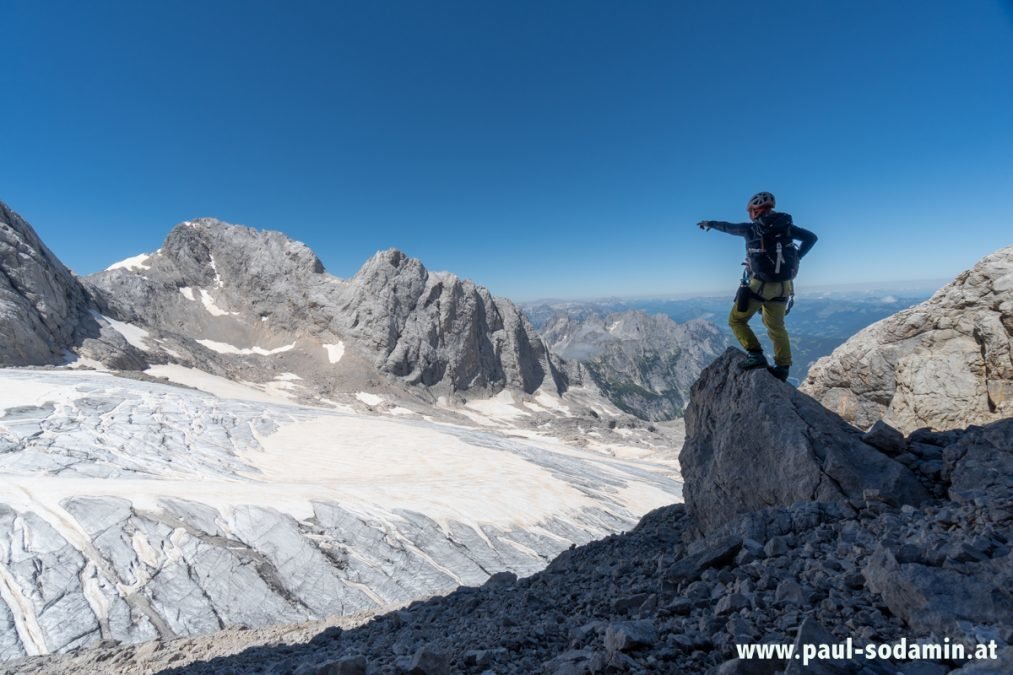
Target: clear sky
column 543, row 148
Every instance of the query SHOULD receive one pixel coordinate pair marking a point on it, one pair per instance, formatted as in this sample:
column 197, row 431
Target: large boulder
column 945, row 363
column 754, row 442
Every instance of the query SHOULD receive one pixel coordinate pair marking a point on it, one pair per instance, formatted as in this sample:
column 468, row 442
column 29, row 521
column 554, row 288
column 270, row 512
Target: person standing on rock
column 768, row 281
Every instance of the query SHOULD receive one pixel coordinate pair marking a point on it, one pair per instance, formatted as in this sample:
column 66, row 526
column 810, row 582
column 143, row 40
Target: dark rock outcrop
column 753, row 442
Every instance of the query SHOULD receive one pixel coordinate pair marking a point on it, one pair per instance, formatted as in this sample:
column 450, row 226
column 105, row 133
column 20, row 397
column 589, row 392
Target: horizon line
column 869, row 287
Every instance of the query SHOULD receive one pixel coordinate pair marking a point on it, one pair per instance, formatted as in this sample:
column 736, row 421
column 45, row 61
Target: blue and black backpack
column 771, row 253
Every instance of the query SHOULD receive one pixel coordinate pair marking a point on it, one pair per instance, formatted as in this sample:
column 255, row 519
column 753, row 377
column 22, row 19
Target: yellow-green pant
column 773, row 319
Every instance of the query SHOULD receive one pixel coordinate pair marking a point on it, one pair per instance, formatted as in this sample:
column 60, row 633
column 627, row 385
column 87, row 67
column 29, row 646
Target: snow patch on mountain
column 214, row 384
column 335, row 352
column 501, row 408
column 211, row 306
column 134, row 335
column 369, row 399
column 137, row 262
column 224, row 348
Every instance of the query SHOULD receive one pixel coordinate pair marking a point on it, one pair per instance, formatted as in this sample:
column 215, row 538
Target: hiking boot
column 780, row 372
column 754, row 360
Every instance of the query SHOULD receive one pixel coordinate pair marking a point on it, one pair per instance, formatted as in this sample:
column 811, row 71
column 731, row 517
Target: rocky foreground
column 874, row 537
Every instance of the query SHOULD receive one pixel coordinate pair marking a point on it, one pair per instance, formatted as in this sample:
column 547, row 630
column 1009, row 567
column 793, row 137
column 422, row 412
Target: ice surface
column 142, row 509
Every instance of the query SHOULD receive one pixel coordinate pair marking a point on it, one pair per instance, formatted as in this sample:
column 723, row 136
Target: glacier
column 132, row 510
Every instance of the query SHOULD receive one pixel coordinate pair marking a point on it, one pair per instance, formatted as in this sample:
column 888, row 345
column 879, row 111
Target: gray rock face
column 943, row 364
column 46, row 316
column 252, row 305
column 645, row 364
column 753, row 442
column 433, row 328
column 41, row 303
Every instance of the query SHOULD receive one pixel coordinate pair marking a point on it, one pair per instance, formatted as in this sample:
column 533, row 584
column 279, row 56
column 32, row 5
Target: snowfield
column 131, row 510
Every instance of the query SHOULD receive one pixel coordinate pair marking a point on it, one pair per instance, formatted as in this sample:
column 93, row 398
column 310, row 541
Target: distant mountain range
column 818, row 323
column 644, row 363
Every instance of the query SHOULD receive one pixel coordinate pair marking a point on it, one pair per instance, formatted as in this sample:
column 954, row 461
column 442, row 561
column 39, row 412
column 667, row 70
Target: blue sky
column 544, row 149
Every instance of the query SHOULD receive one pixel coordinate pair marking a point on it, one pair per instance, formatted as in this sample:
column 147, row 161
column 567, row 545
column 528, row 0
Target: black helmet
column 761, row 200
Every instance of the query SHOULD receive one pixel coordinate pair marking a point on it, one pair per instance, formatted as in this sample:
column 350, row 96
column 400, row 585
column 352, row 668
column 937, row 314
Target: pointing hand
column 704, row 225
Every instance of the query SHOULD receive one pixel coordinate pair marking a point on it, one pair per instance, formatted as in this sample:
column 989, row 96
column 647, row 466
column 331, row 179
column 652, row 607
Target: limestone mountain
column 944, row 363
column 644, row 363
column 46, row 316
column 256, row 306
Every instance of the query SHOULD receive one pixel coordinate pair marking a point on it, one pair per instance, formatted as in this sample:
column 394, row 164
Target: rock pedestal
column 755, row 442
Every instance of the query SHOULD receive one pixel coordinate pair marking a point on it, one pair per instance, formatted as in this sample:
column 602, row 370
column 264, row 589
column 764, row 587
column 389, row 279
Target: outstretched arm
column 807, row 238
column 739, row 229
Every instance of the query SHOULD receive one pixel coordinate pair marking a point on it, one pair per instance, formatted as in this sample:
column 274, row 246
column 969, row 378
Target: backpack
column 771, row 251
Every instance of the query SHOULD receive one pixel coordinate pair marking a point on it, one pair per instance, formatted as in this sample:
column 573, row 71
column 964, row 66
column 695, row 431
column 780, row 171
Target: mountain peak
column 207, row 250
column 388, row 264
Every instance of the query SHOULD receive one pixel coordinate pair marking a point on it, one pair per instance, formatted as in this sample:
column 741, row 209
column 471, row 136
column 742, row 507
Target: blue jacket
column 753, row 231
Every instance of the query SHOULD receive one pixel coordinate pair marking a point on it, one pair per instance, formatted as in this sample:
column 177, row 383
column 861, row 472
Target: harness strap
column 758, row 294
column 780, row 298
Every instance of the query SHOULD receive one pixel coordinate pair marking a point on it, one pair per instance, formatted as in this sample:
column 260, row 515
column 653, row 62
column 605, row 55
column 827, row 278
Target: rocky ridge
column 46, row 316
column 645, row 364
column 252, row 305
column 677, row 593
column 945, row 363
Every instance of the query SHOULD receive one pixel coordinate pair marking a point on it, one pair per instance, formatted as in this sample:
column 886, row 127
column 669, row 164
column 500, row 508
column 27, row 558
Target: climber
column 767, row 283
